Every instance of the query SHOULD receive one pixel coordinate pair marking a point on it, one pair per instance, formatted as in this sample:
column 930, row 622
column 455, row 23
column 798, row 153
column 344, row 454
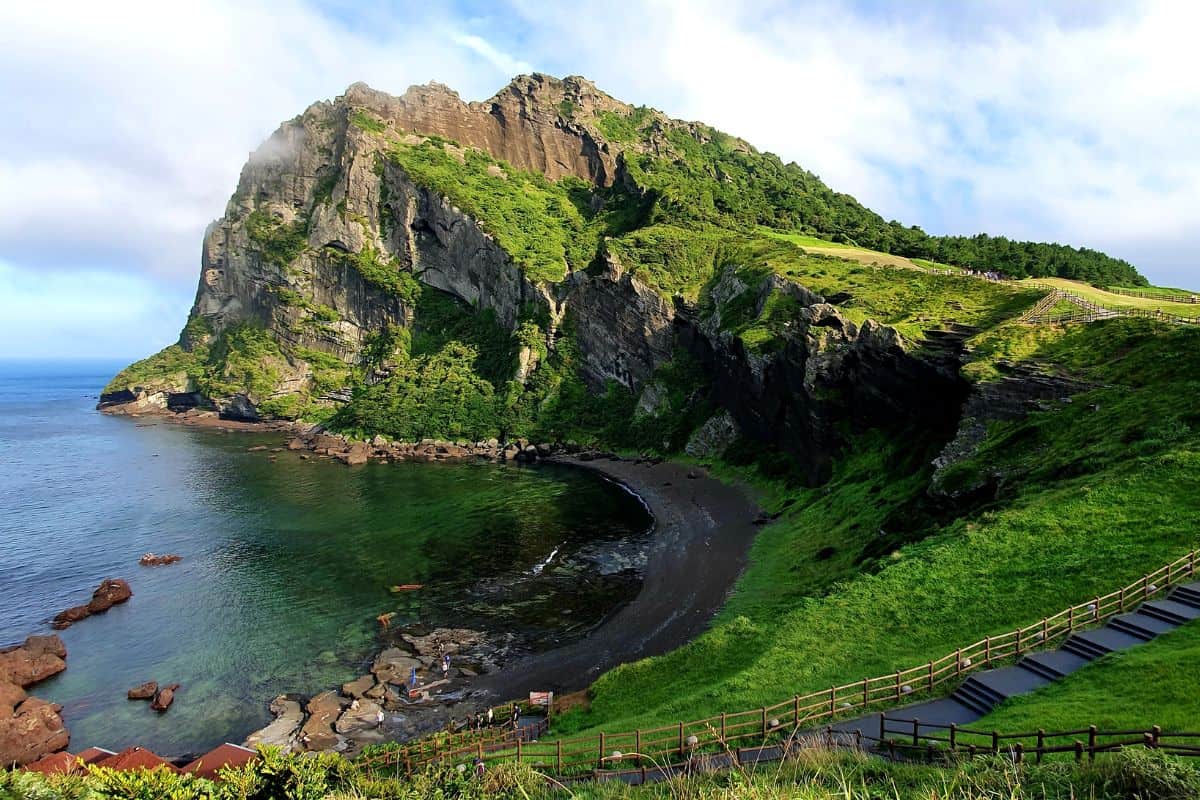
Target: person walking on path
column 480, row 769
column 412, row 679
column 516, row 717
column 446, row 666
column 490, row 717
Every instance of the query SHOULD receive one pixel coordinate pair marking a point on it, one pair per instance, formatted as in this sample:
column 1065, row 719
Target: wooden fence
column 1163, row 296
column 779, row 722
column 911, row 739
column 1088, row 311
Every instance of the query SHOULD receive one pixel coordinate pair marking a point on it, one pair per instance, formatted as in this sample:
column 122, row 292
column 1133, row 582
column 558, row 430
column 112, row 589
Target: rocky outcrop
column 824, row 372
column 713, row 437
column 164, row 697
column 39, row 658
column 145, row 691
column 30, row 728
column 111, row 592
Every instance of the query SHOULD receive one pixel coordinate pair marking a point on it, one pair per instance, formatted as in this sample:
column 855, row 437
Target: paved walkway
column 983, row 691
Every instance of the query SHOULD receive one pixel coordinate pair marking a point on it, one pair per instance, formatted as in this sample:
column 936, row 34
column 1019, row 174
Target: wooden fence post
column 763, row 720
column 1078, row 752
column 882, row 726
column 987, row 650
column 1192, row 563
column 722, row 727
column 1045, row 630
column 958, row 662
column 1018, row 641
column 637, row 745
column 931, row 675
column 1096, row 614
column 866, row 693
column 518, row 750
column 953, row 737
column 558, row 757
column 832, row 701
column 1071, row 618
column 681, row 739
column 897, row 684
column 995, row 742
column 1019, row 755
column 1146, row 585
column 1122, row 600
column 796, row 707
column 916, row 731
column 1041, row 743
column 1091, row 742
column 1155, row 733
column 600, row 763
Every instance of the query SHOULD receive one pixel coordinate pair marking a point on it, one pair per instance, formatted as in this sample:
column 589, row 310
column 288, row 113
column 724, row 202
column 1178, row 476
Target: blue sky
column 126, row 124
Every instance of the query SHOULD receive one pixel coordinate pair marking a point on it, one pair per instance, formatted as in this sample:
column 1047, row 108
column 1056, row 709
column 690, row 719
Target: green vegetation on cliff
column 864, row 575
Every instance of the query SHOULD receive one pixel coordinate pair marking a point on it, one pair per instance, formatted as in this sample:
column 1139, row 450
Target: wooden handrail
column 806, row 710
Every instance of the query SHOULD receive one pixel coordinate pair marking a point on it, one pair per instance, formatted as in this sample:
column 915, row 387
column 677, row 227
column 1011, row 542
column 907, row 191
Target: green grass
column 1163, row 290
column 674, row 260
column 1152, row 684
column 278, row 242
column 534, row 219
column 909, row 300
column 1094, row 493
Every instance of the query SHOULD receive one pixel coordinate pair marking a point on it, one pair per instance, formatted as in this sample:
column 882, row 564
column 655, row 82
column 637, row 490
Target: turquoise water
column 285, row 565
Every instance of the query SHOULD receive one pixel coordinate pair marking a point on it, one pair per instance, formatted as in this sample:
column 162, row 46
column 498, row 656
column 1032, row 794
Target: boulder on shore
column 33, row 730
column 283, row 729
column 34, row 661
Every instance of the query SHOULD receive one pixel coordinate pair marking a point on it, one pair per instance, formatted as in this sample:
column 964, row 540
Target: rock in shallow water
column 145, row 691
column 111, row 592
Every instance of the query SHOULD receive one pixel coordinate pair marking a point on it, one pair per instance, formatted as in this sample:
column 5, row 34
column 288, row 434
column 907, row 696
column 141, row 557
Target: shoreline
column 702, row 532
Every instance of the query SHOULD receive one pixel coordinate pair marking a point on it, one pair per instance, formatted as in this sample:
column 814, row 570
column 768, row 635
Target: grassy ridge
column 1093, row 494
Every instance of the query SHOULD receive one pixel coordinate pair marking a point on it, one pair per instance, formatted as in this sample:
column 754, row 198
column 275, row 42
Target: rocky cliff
column 420, row 252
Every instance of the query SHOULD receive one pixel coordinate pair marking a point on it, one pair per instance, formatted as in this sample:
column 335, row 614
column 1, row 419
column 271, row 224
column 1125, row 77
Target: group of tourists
column 487, row 719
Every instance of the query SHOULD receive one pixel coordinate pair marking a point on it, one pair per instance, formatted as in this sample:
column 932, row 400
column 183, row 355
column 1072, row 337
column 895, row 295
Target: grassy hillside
column 865, row 575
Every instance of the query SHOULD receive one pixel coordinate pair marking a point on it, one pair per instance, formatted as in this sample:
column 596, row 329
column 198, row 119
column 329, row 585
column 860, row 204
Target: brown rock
column 33, row 661
column 33, row 731
column 166, row 695
column 109, row 593
column 144, row 692
column 152, row 560
column 11, row 696
column 296, row 444
column 358, row 688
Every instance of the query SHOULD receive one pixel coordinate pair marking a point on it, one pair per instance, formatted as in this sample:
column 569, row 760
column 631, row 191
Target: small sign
column 541, row 699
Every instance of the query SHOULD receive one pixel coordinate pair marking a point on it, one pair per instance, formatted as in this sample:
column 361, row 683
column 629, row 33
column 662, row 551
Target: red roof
column 94, row 754
column 55, row 764
column 209, row 764
column 135, row 758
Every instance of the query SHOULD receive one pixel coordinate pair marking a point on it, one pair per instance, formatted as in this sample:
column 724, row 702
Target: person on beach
column 490, row 717
column 446, row 666
column 412, row 679
column 379, row 718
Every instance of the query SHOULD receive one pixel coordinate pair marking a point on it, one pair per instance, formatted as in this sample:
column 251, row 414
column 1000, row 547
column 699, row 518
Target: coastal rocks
column 362, row 715
column 145, row 691
column 164, row 698
column 153, row 560
column 282, row 732
column 34, row 661
column 109, row 593
column 352, row 453
column 30, row 728
column 317, row 732
column 359, row 687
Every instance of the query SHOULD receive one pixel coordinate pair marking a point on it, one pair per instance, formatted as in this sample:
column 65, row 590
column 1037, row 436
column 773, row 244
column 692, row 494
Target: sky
column 125, row 124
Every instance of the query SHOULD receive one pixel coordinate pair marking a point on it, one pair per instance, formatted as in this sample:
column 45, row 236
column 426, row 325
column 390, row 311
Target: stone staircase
column 982, row 692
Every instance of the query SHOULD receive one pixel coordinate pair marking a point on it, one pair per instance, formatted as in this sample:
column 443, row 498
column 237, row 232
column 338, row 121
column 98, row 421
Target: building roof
column 93, row 754
column 227, row 755
column 55, row 764
column 135, row 758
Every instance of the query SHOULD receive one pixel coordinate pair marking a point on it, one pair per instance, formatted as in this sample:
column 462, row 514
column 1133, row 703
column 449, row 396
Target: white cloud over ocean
column 126, row 123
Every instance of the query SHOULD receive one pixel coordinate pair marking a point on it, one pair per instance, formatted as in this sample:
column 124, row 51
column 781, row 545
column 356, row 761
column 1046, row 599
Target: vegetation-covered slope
column 1086, row 496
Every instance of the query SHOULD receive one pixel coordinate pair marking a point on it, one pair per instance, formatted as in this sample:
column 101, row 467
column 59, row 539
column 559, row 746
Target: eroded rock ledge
column 29, row 726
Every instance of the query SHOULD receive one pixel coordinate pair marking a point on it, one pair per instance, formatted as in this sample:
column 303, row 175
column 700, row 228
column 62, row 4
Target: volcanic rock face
column 324, row 182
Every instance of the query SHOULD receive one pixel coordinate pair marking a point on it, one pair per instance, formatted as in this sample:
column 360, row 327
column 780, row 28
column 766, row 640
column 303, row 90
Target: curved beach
column 704, row 529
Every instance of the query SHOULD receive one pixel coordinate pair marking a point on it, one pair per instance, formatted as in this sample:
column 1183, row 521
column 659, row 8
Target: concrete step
column 1053, row 664
column 1187, row 596
column 1170, row 611
column 1098, row 642
column 977, row 695
column 1143, row 626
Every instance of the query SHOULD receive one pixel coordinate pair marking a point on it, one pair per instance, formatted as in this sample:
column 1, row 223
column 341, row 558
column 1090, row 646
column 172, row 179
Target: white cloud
column 126, row 124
